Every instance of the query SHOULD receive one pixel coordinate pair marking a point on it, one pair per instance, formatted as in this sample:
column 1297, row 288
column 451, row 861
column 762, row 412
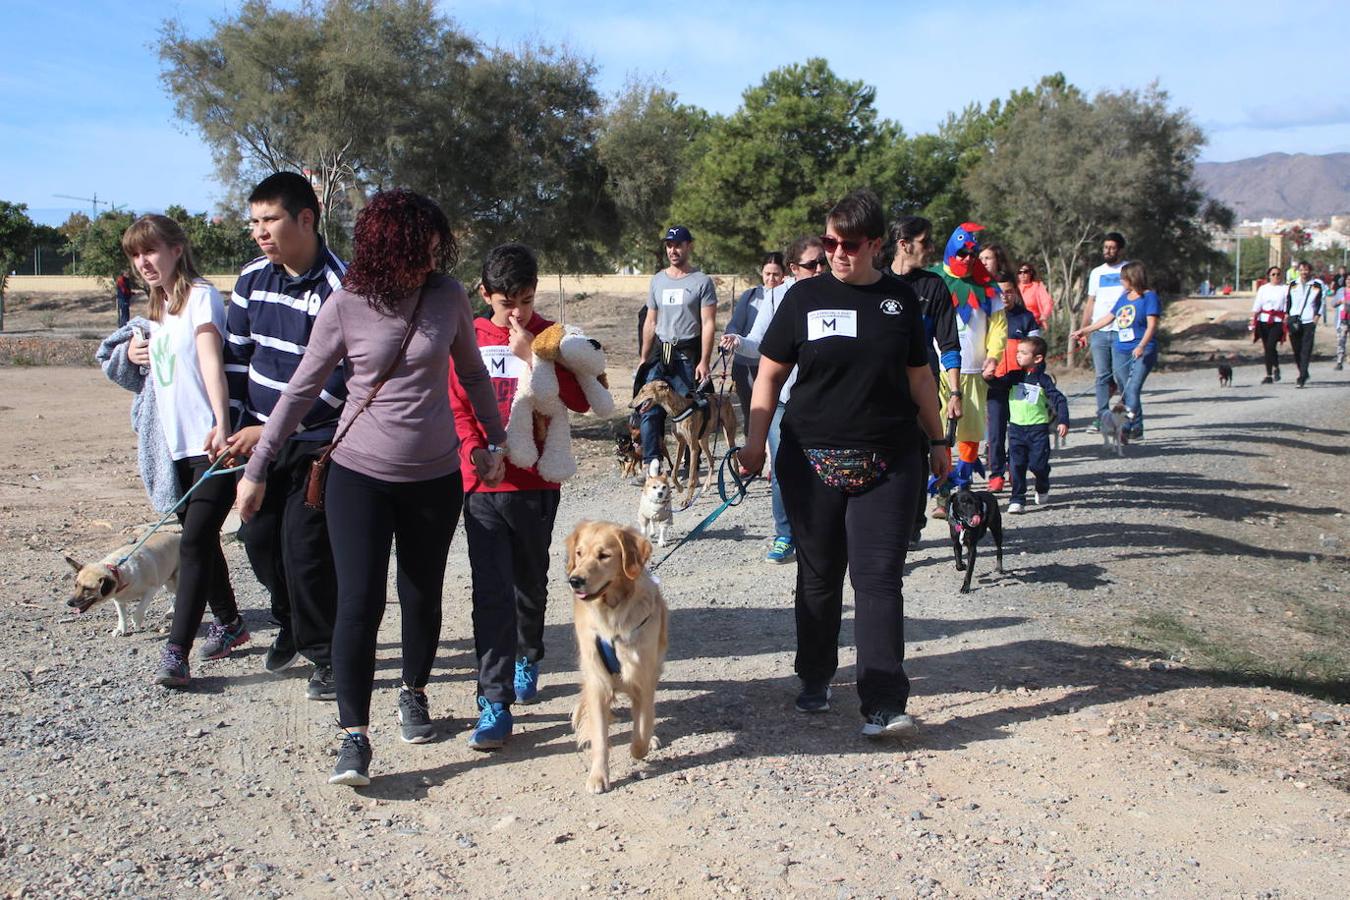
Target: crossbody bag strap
column 385, row 376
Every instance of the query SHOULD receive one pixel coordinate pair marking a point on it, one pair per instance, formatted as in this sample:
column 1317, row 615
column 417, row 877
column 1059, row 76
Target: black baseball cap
column 679, row 234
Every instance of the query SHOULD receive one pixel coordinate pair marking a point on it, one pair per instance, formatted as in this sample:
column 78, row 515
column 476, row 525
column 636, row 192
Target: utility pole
column 1237, row 264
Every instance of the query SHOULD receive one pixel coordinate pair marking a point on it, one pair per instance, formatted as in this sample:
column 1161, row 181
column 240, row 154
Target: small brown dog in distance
column 693, row 432
column 621, row 621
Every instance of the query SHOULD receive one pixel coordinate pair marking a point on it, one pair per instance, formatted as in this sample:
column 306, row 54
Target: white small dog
column 1113, row 425
column 654, row 507
column 130, row 586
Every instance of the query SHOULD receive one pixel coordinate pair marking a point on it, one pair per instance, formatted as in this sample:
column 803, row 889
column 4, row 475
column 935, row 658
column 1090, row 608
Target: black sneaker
column 1277, row 374
column 414, row 717
column 891, row 725
column 1267, row 380
column 353, row 762
column 282, row 652
column 814, row 698
column 321, row 684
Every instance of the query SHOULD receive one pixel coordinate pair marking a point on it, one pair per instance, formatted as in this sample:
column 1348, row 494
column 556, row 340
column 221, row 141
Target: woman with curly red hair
column 399, row 323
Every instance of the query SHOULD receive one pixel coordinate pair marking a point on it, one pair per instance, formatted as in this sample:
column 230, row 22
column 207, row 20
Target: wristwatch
column 956, row 394
column 494, row 449
column 939, row 442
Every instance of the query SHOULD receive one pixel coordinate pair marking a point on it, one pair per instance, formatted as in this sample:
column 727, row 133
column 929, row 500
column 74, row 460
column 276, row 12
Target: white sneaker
column 1042, row 498
column 1015, row 509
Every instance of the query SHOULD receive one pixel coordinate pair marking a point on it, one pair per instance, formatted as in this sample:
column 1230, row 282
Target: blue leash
column 728, row 500
column 213, row 470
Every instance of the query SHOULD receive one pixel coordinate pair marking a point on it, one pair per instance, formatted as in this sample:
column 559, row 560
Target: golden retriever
column 694, row 432
column 621, row 622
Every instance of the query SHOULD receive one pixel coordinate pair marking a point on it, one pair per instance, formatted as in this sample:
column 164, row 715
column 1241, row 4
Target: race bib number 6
column 828, row 323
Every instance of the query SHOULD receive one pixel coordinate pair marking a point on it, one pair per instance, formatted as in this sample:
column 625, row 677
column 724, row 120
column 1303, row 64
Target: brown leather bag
column 318, row 470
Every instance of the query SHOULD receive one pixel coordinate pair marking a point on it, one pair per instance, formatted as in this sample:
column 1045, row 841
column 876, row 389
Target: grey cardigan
column 152, row 449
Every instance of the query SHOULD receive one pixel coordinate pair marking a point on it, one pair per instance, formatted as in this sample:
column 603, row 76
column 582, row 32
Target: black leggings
column 365, row 517
column 1269, row 333
column 868, row 535
column 203, row 576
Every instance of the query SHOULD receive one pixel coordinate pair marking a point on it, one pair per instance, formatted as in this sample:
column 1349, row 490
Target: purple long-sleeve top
column 408, row 433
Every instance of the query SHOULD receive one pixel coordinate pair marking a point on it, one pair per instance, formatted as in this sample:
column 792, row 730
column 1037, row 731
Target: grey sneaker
column 414, row 717
column 173, row 667
column 814, row 698
column 321, row 684
column 221, row 639
column 893, row 725
column 353, row 762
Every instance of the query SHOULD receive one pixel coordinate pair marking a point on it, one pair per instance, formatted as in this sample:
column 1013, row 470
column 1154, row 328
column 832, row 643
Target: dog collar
column 121, row 583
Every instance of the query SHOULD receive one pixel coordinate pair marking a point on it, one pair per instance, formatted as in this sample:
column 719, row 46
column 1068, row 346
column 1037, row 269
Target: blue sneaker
column 494, row 725
column 527, row 681
column 782, row 550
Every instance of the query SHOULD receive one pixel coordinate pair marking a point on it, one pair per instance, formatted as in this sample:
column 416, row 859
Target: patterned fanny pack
column 851, row 472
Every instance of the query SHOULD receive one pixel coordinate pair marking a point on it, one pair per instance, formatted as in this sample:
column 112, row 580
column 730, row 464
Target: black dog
column 1225, row 374
column 969, row 515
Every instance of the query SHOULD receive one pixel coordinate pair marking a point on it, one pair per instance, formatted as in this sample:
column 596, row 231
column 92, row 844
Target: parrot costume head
column 965, row 237
column 961, row 263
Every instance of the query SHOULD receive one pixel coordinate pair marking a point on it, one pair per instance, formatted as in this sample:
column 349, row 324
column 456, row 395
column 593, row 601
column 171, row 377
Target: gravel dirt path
column 1081, row 731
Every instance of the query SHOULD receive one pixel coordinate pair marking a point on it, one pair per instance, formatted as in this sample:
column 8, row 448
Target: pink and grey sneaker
column 221, row 639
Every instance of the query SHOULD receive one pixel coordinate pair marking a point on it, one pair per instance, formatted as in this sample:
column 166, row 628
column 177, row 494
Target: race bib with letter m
column 500, row 362
column 828, row 323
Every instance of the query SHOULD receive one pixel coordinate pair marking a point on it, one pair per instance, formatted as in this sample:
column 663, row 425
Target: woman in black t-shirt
column 848, row 457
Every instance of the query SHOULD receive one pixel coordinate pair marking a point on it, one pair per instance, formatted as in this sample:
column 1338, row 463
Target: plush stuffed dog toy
column 553, row 347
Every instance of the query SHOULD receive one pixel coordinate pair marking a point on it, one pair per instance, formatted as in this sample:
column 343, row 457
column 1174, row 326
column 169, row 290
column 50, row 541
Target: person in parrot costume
column 983, row 330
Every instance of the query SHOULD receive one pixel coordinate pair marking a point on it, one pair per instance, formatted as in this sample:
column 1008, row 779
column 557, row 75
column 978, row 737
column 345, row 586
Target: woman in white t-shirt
column 1267, row 325
column 184, row 355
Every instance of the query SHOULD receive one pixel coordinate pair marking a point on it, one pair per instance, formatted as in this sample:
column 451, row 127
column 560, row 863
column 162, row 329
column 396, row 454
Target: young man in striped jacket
column 270, row 316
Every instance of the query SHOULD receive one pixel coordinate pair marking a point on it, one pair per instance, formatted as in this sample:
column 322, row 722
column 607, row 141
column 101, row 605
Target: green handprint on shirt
column 164, row 359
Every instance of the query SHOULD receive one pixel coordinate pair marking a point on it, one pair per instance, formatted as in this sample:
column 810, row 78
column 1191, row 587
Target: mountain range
column 1280, row 185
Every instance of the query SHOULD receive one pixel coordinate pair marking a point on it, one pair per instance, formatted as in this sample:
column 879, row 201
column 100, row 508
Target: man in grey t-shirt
column 678, row 334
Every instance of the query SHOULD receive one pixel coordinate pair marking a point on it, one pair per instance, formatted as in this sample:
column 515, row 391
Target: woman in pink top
column 395, row 475
column 1034, row 294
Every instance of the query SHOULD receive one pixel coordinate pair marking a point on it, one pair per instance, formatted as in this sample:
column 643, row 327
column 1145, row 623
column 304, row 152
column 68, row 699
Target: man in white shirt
column 1104, row 289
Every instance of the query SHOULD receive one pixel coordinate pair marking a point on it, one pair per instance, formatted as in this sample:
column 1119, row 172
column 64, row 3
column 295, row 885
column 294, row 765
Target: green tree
column 16, row 233
column 369, row 94
column 523, row 128
column 1062, row 169
column 645, row 142
column 323, row 91
column 769, row 172
column 98, row 249
column 219, row 244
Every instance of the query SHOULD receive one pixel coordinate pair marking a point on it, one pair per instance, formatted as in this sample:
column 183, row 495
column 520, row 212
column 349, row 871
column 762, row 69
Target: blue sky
column 82, row 110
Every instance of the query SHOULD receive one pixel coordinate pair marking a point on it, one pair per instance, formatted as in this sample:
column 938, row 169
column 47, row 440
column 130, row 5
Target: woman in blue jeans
column 1135, row 351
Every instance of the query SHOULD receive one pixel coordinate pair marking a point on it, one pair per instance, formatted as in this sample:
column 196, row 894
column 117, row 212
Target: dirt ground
column 1151, row 701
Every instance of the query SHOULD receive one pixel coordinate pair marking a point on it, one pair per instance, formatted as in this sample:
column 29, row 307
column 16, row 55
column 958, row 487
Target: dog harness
column 608, row 655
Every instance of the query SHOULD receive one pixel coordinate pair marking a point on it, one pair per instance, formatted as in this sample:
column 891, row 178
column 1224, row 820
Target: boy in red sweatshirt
column 510, row 526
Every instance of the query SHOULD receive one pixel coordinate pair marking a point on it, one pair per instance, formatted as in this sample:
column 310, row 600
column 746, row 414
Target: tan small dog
column 621, row 621
column 654, row 507
column 130, row 586
column 694, row 432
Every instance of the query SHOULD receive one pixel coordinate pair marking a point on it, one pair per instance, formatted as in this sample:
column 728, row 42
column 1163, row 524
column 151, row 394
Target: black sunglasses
column 812, row 264
column 1026, row 272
